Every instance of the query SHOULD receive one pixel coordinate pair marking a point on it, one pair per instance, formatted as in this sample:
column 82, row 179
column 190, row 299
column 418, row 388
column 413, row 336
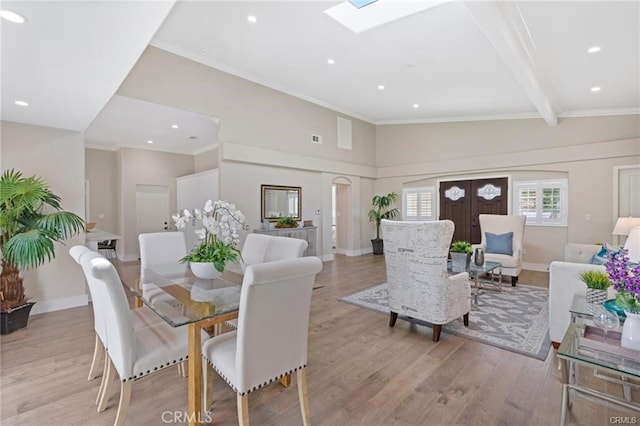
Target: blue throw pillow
column 597, row 260
column 499, row 244
column 603, row 251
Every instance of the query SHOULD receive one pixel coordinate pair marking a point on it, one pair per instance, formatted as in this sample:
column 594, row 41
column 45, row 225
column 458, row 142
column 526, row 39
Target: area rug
column 515, row 319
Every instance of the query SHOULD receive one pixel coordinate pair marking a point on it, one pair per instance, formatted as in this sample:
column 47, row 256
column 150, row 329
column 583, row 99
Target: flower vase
column 204, row 270
column 596, row 296
column 631, row 332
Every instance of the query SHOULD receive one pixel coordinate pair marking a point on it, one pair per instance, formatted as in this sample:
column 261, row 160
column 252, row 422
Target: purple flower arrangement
column 625, row 278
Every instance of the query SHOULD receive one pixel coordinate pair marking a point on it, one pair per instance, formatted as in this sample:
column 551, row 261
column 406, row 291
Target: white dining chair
column 261, row 248
column 134, row 353
column 140, row 317
column 270, row 342
column 161, row 250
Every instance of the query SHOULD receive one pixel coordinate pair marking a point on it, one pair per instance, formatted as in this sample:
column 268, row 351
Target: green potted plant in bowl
column 597, row 284
column 380, row 210
column 31, row 221
column 219, row 235
column 286, row 222
column 460, row 252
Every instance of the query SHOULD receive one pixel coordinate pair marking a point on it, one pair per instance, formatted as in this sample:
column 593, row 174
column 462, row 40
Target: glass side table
column 573, row 351
column 492, row 269
column 580, row 309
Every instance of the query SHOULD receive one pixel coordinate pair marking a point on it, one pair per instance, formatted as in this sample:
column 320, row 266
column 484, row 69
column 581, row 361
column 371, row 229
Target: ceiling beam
column 503, row 25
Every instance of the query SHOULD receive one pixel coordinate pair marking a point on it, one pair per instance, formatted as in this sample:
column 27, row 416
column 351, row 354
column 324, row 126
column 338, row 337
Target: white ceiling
column 458, row 61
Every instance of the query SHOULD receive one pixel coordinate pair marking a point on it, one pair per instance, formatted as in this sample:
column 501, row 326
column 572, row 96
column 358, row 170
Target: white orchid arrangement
column 219, row 233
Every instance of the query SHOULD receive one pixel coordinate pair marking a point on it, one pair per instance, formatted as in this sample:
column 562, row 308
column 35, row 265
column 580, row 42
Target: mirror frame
column 263, row 199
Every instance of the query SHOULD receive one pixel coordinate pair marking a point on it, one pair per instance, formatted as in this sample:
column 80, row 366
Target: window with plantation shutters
column 419, row 203
column 542, row 202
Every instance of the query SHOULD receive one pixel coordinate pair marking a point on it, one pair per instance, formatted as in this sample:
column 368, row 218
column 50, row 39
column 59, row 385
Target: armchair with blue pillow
column 502, row 237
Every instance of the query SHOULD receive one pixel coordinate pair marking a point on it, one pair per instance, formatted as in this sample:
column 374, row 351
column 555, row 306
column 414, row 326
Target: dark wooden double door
column 463, row 201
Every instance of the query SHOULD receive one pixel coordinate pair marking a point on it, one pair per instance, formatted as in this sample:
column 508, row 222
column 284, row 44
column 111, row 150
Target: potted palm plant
column 380, row 210
column 31, row 221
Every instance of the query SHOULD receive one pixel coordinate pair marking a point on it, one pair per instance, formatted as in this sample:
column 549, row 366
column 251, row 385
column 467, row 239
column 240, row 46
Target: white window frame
column 418, row 190
column 539, row 186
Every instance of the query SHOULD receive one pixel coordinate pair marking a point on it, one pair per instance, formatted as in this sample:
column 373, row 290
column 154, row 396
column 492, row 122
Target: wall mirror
column 280, row 201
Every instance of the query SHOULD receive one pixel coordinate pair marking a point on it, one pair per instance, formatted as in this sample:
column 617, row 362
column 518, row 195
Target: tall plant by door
column 380, row 210
column 31, row 221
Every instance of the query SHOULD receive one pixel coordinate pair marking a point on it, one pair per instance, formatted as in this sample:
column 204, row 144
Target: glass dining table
column 182, row 300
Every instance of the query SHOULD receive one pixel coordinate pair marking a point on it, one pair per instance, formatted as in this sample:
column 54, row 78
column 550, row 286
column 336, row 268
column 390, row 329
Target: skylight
column 377, row 12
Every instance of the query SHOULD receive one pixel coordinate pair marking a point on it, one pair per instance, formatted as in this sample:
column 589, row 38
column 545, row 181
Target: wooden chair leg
column 437, row 328
column 465, row 319
column 243, row 410
column 392, row 319
column 303, row 396
column 94, row 362
column 105, row 370
column 286, row 381
column 123, row 405
column 106, row 391
column 207, row 385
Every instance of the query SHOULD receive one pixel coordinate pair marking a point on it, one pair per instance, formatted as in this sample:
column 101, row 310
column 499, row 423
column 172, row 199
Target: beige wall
column 584, row 150
column 434, row 142
column 240, row 184
column 250, row 114
column 207, row 160
column 100, row 171
column 144, row 167
column 57, row 156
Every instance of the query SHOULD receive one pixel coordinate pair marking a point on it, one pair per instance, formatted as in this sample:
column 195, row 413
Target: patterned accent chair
column 500, row 225
column 419, row 284
column 269, row 343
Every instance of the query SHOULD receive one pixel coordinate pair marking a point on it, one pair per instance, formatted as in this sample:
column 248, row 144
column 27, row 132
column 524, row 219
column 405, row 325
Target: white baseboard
column 354, row 253
column 326, row 257
column 540, row 267
column 127, row 257
column 366, row 251
column 59, row 304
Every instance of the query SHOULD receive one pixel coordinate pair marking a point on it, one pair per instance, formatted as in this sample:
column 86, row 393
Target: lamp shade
column 624, row 225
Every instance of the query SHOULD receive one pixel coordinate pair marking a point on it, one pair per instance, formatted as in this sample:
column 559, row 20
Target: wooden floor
column 361, row 372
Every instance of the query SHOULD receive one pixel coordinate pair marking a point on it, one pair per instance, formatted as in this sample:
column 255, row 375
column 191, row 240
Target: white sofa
column 564, row 282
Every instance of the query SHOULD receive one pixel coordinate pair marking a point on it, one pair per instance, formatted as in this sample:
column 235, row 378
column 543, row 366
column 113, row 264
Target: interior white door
column 629, row 200
column 152, row 208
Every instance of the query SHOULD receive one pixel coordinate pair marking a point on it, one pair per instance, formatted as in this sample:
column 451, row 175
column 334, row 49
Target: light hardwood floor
column 360, row 372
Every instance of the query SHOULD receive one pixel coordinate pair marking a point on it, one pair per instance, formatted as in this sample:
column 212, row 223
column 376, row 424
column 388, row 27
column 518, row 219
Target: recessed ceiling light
column 595, row 89
column 149, row 141
column 380, row 87
column 331, row 61
column 14, row 17
column 174, row 126
column 594, row 49
column 416, row 105
column 22, row 103
column 252, row 19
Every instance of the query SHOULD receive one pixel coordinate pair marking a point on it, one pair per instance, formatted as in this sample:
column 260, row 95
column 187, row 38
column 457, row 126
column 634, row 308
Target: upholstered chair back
column 161, row 249
column 502, row 224
column 119, row 327
column 261, row 248
column 272, row 340
column 416, row 259
column 77, row 253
